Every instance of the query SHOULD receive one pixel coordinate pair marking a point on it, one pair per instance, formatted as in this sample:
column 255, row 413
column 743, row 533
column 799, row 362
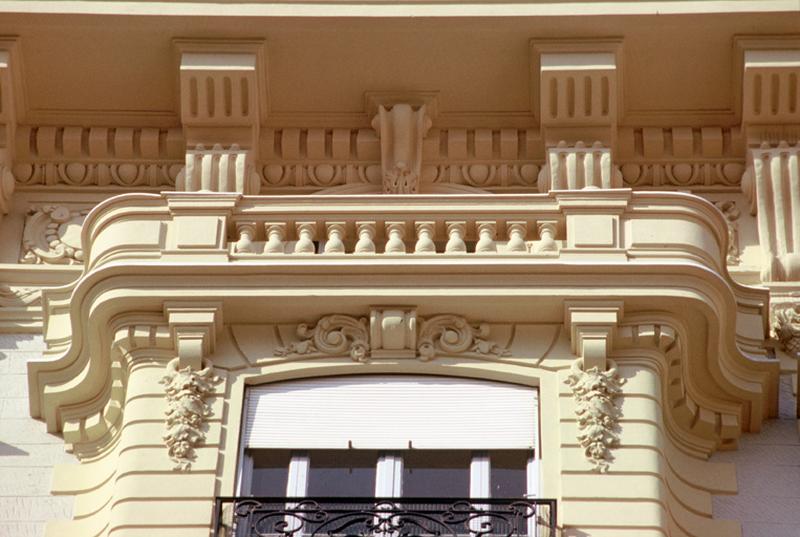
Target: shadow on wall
column 8, row 451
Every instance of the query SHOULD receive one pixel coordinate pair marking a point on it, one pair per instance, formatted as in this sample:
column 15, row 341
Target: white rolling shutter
column 391, row 412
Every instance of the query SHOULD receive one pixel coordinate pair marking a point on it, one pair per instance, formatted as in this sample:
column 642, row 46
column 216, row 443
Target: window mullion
column 297, row 483
column 388, row 476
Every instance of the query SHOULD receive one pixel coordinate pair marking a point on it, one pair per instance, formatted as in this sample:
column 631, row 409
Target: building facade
column 465, row 268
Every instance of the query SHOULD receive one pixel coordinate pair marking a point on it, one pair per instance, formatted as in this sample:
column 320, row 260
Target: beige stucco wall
column 768, row 475
column 27, row 452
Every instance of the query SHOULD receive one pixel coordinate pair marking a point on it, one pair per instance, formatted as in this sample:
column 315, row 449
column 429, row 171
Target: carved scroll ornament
column 187, row 410
column 452, row 334
column 53, row 236
column 594, row 392
column 341, row 335
column 333, row 335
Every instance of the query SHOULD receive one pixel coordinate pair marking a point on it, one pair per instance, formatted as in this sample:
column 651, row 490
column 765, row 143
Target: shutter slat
column 389, row 411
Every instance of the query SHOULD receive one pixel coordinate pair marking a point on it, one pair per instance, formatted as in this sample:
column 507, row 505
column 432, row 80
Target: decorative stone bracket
column 401, row 129
column 221, row 111
column 392, row 333
column 187, row 383
column 594, row 379
column 770, row 119
column 578, row 111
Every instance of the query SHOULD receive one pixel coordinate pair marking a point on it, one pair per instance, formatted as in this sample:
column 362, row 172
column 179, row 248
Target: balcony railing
column 384, row 517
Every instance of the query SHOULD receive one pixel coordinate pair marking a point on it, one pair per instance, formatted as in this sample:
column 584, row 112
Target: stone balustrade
column 618, row 225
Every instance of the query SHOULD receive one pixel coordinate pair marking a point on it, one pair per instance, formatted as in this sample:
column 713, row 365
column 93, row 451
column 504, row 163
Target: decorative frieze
column 53, row 235
column 681, row 157
column 98, row 156
column 392, row 333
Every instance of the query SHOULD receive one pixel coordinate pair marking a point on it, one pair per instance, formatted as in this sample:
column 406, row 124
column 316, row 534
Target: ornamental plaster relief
column 595, row 392
column 186, row 390
column 392, row 333
column 53, row 235
column 787, row 328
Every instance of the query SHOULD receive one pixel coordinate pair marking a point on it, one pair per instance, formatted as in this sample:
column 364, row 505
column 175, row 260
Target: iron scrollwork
column 397, row 517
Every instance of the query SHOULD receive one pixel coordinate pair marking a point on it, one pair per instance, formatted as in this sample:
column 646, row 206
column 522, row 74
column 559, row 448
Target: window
column 390, row 436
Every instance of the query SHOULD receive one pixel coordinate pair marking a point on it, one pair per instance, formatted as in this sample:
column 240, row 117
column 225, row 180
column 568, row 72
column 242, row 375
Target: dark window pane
column 508, row 477
column 270, row 472
column 436, row 473
column 342, row 473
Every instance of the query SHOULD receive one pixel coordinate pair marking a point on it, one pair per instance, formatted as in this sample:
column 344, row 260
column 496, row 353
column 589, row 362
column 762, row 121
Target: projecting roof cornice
column 516, row 257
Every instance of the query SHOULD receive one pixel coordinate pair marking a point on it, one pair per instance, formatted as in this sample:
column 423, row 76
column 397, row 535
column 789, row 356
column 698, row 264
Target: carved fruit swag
column 187, row 410
column 598, row 415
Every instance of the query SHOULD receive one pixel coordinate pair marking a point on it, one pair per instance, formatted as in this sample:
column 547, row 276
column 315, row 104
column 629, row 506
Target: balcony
column 384, row 517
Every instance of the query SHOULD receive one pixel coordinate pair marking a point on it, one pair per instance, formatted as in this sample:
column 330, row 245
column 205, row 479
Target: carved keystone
column 393, row 332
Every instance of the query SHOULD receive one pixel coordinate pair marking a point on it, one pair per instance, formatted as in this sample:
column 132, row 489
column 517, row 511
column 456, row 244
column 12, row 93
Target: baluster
column 517, row 230
column 305, row 238
column 247, row 232
column 547, row 236
column 335, row 245
column 455, row 244
column 276, row 235
column 425, row 244
column 486, row 234
column 366, row 238
column 395, row 231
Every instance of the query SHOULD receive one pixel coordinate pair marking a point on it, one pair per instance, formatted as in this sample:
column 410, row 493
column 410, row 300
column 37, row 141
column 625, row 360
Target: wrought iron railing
column 384, row 517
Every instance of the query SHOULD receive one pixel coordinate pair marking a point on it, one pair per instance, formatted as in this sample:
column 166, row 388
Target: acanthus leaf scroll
column 187, row 410
column 332, row 335
column 453, row 334
column 344, row 335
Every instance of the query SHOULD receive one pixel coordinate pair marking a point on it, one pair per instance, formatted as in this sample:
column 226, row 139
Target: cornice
column 344, row 8
column 112, row 286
